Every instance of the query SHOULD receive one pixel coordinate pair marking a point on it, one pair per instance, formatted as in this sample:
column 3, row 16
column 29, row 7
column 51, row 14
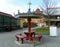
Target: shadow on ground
column 45, row 40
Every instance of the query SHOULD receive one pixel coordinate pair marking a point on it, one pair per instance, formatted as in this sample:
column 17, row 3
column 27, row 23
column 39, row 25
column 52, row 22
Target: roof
column 38, row 11
column 29, row 11
column 56, row 10
column 5, row 14
column 29, row 14
column 26, row 15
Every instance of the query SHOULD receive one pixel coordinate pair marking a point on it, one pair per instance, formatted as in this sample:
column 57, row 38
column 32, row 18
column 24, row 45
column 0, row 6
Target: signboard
column 53, row 31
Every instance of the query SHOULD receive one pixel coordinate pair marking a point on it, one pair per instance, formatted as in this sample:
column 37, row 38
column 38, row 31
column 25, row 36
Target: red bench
column 39, row 37
column 19, row 38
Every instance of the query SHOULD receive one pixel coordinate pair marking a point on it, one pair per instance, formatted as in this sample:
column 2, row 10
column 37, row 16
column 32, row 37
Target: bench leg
column 40, row 39
column 17, row 38
column 32, row 40
column 21, row 40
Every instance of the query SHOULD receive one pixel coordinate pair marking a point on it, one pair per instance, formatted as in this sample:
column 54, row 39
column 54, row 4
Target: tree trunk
column 48, row 21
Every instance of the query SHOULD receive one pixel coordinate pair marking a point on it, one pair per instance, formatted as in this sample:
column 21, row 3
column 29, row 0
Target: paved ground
column 7, row 39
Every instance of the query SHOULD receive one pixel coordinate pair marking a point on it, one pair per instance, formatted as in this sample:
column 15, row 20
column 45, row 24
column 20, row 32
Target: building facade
column 55, row 17
column 7, row 21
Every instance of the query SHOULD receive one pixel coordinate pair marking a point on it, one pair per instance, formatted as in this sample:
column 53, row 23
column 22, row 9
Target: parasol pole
column 29, row 25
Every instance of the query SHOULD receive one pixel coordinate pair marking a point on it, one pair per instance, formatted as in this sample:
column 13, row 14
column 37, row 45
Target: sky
column 12, row 6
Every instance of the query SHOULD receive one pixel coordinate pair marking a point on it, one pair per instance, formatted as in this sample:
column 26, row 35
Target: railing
column 52, row 19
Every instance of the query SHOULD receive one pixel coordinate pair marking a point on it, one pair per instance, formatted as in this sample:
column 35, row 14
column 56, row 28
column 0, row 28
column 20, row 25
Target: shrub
column 25, row 24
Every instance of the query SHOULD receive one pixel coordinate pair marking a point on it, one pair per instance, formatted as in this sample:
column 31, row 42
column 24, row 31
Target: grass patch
column 43, row 31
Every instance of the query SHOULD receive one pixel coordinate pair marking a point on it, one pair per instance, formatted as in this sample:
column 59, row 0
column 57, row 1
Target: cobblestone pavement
column 7, row 39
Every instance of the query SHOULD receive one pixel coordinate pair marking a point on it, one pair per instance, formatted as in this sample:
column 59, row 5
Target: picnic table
column 28, row 36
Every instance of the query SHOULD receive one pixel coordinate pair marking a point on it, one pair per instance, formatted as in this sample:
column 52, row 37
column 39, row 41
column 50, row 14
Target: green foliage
column 25, row 24
column 43, row 31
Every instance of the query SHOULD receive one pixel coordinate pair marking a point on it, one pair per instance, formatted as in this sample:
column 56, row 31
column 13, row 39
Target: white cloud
column 9, row 8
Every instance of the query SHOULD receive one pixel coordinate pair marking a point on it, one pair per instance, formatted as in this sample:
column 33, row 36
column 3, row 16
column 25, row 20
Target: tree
column 45, row 6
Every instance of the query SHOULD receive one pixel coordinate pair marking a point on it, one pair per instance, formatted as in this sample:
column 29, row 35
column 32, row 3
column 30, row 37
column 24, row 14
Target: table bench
column 19, row 38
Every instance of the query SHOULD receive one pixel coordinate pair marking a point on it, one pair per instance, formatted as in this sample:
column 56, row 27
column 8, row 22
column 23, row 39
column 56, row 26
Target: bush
column 25, row 24
column 43, row 31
